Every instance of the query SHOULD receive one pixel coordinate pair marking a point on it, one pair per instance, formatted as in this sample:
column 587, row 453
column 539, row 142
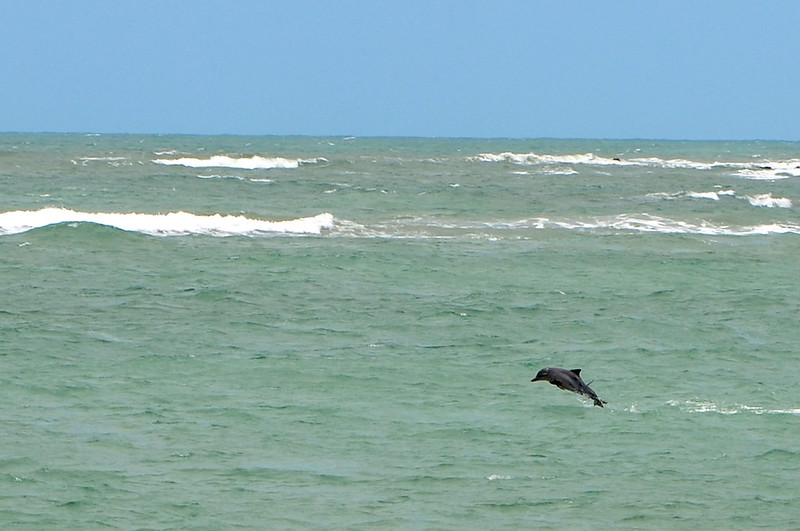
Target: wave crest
column 255, row 162
column 766, row 200
column 764, row 170
column 171, row 224
column 591, row 159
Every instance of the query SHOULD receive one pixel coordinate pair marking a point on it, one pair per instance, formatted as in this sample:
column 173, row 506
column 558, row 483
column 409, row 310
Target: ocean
column 225, row 332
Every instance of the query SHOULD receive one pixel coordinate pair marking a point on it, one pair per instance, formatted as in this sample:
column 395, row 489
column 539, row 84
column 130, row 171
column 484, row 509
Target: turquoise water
column 367, row 363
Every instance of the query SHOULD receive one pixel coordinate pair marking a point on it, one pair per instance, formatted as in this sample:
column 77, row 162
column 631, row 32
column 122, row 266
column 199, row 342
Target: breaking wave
column 766, row 200
column 764, row 170
column 255, row 162
column 591, row 159
column 758, row 200
column 171, row 224
column 185, row 223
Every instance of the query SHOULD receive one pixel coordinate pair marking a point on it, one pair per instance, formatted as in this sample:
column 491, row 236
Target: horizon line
column 420, row 137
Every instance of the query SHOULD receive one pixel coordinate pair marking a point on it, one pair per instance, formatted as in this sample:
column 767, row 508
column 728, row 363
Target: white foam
column 255, row 162
column 647, row 223
column 766, row 200
column 100, row 159
column 171, row 224
column 234, row 177
column 760, row 200
column 705, row 406
column 533, row 158
column 714, row 196
column 432, row 228
column 765, row 169
column 771, row 170
column 557, row 170
column 676, row 163
column 704, row 195
column 592, row 159
column 112, row 161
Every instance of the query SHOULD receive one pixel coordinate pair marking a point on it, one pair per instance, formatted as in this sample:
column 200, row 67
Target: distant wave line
column 764, row 170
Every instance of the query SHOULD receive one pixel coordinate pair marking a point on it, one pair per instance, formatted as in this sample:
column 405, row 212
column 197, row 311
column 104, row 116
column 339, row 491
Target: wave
column 771, row 170
column 171, row 224
column 714, row 196
column 766, row 200
column 184, row 223
column 759, row 200
column 432, row 228
column 764, row 170
column 592, row 159
column 255, row 162
column 656, row 224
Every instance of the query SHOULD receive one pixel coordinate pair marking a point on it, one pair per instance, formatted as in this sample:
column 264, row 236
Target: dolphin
column 569, row 380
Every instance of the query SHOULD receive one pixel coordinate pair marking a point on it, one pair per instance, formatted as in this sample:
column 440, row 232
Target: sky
column 693, row 69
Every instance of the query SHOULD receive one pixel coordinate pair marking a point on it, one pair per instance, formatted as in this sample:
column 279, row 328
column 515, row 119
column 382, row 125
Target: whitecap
column 714, row 196
column 766, row 200
column 764, row 170
column 533, row 158
column 771, row 170
column 100, row 159
column 171, row 224
column 596, row 160
column 255, row 162
column 111, row 161
column 704, row 195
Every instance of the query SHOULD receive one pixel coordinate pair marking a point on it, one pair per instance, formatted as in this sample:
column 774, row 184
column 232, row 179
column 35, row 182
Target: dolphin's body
column 569, row 380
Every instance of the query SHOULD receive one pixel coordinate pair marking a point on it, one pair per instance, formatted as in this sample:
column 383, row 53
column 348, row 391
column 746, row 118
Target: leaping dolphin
column 569, row 380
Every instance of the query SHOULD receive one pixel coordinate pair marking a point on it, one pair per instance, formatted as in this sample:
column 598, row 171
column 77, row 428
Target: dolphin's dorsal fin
column 576, row 371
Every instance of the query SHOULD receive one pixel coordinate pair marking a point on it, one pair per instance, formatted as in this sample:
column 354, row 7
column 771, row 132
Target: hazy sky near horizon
column 701, row 69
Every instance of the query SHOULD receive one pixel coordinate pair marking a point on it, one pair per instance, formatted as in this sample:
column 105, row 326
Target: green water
column 377, row 375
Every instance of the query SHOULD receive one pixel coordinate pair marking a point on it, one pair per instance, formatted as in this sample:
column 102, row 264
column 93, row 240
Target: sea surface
column 223, row 332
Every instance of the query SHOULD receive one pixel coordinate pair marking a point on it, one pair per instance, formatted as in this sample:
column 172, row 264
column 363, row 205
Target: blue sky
column 724, row 69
